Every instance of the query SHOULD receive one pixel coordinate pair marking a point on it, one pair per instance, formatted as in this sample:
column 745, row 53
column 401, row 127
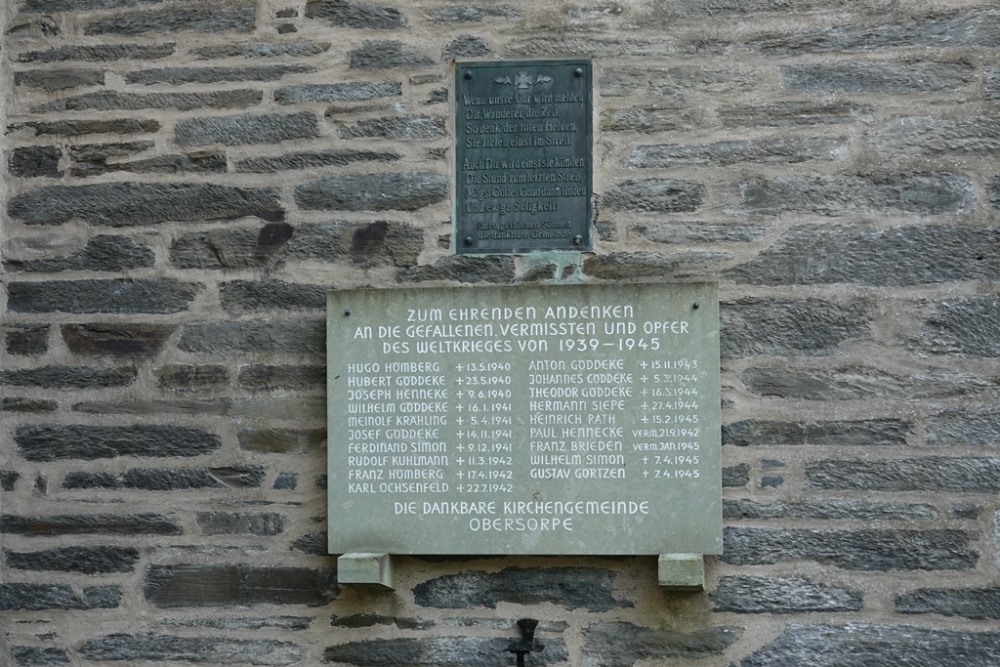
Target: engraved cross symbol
column 523, row 80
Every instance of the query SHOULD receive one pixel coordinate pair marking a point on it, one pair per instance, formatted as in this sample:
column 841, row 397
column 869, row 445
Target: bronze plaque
column 523, row 133
column 572, row 419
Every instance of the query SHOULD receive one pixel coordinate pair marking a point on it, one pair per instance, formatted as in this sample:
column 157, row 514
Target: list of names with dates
column 544, row 420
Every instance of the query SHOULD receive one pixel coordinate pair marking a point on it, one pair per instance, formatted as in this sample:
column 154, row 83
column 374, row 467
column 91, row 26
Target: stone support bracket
column 366, row 570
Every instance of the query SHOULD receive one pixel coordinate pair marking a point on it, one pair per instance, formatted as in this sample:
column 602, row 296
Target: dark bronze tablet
column 523, row 135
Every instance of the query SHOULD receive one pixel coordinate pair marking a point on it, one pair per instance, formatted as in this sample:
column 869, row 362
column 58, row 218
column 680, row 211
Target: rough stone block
column 829, row 510
column 647, row 119
column 974, row 603
column 260, row 50
column 172, row 586
column 87, row 560
column 735, row 476
column 51, row 442
column 111, row 100
column 240, row 523
column 781, row 327
column 878, row 77
column 921, row 194
column 37, row 656
column 27, row 405
column 282, row 441
column 864, row 550
column 222, row 16
column 792, row 113
column 657, row 195
column 116, row 340
column 69, row 377
column 140, row 295
column 399, row 128
column 35, row 162
column 782, row 595
column 312, row 160
column 466, row 46
column 668, row 84
column 959, row 428
column 26, row 339
column 857, row 383
column 259, row 377
column 623, row 644
column 59, row 79
column 858, row 645
column 127, row 204
column 101, row 253
column 149, row 647
column 98, row 53
column 699, row 232
column 186, row 377
column 182, row 75
column 935, row 137
column 349, row 91
column 35, row 597
column 75, row 128
column 85, row 524
column 273, row 335
column 472, row 14
column 243, row 295
column 408, row 191
column 780, row 150
column 962, row 326
column 626, row 265
column 465, row 269
column 246, row 129
column 862, row 433
column 567, row 587
column 932, row 473
column 362, row 16
column 387, row 54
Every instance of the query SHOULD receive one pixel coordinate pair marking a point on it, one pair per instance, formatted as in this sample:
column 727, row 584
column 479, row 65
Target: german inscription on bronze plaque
column 530, row 420
column 523, row 156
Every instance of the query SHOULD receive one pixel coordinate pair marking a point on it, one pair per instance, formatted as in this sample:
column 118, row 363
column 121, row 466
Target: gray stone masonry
column 186, row 180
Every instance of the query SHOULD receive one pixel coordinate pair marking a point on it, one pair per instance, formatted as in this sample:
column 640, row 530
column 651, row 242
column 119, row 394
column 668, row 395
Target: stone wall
column 187, row 179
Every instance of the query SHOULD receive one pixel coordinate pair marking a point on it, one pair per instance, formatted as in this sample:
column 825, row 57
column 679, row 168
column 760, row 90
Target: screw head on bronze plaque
column 523, row 177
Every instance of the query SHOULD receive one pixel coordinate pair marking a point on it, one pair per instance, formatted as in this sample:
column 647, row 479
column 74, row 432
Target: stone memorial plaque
column 526, row 420
column 523, row 134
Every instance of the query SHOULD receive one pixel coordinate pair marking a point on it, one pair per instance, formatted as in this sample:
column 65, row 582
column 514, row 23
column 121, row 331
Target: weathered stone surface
column 626, row 81
column 782, row 595
column 933, row 137
column 969, row 27
column 59, row 79
column 75, row 128
column 189, row 406
column 102, row 253
column 932, row 473
column 127, row 204
column 466, row 46
column 784, row 150
column 282, row 441
column 658, row 195
column 407, row 191
column 992, row 81
column 187, row 377
column 545, row 43
column 621, row 644
column 863, row 433
column 246, row 129
column 699, row 232
column 52, row 442
column 795, row 112
column 140, row 295
column 372, row 620
column 116, row 340
column 228, row 16
column 87, row 560
column 240, row 523
column 29, row 405
column 34, row 656
column 85, row 524
column 271, row 335
column 462, row 268
column 170, row 586
column 472, row 14
column 366, row 244
column 285, row 481
column 111, row 100
column 242, row 622
column 269, row 378
column 402, row 128
column 8, row 480
column 867, row 550
column 261, row 50
column 182, row 75
column 736, row 476
column 958, row 428
column 81, row 5
column 82, row 154
column 974, row 603
column 68, row 377
column 312, row 543
column 922, row 194
column 210, row 163
column 878, row 77
column 452, row 651
column 781, row 327
column 858, row 645
column 313, row 159
column 867, row 255
column 387, row 54
column 150, row 647
column 98, row 53
column 963, row 326
column 721, row 8
column 733, row 508
column 567, row 587
column 627, row 265
column 993, row 191
column 348, row 14
column 26, row 339
column 647, row 119
column 349, row 91
column 242, row 295
column 862, row 383
column 35, row 162
column 34, row 597
column 176, row 479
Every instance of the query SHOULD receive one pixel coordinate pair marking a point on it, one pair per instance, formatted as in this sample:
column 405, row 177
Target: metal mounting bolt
column 578, row 72
column 347, row 312
column 577, row 240
column 468, row 74
column 468, row 240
